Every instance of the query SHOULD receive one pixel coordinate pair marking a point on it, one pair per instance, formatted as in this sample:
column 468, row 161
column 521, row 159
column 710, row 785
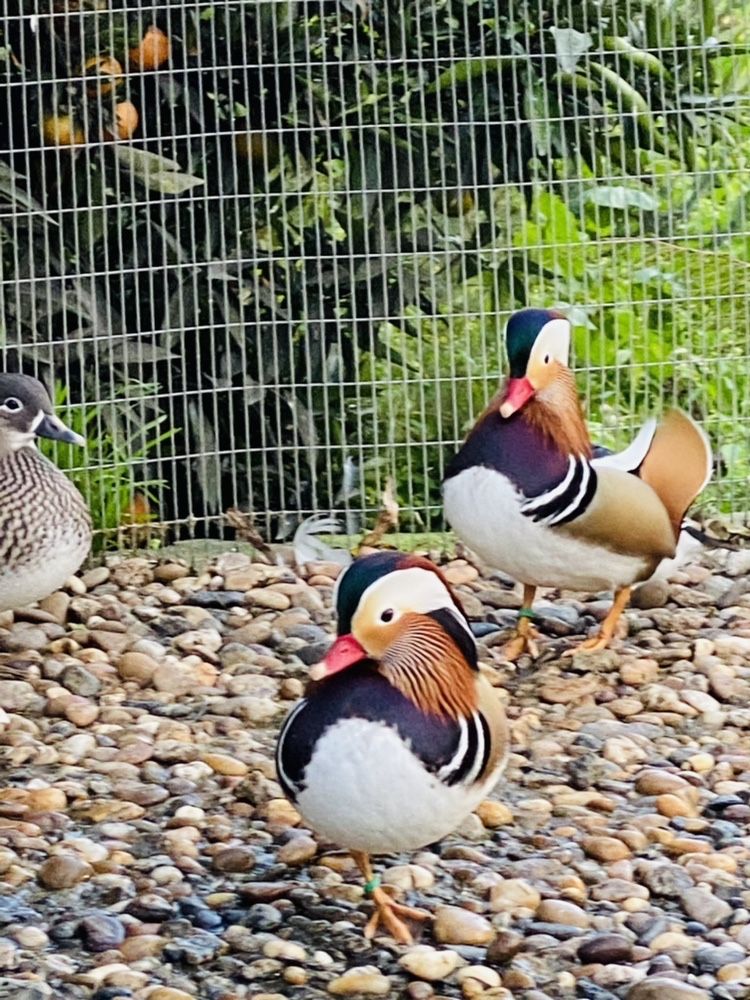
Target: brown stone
column 605, row 848
column 62, row 871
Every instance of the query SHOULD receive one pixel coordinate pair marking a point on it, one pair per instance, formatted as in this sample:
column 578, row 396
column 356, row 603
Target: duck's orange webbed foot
column 606, row 632
column 387, row 912
column 525, row 635
column 523, row 641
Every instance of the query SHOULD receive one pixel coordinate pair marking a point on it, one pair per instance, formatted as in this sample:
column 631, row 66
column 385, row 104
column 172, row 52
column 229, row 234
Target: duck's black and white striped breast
column 567, row 499
column 453, row 750
column 369, row 770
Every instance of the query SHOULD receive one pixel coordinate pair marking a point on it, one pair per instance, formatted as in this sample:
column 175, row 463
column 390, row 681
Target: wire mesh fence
column 265, row 251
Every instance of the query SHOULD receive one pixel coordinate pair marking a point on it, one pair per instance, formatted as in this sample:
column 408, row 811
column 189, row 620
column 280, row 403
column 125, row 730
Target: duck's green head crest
column 521, row 334
column 360, row 575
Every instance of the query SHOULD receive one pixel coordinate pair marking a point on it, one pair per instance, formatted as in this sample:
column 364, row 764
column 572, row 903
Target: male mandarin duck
column 398, row 737
column 533, row 498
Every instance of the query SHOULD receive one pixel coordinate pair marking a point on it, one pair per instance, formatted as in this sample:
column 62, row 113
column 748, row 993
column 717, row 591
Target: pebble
column 662, row 988
column 363, row 979
column 138, row 747
column 605, row 848
column 181, row 677
column 513, row 895
column 494, row 814
column 700, row 904
column 711, row 959
column 263, row 597
column 298, row 851
column 505, row 945
column 605, row 949
column 101, row 932
column 455, row 925
column 224, row 764
column 80, row 681
column 487, row 978
column 138, row 667
column 169, row 993
column 48, row 799
column 234, row 859
column 558, row 911
column 61, row 871
column 18, row 696
column 430, row 963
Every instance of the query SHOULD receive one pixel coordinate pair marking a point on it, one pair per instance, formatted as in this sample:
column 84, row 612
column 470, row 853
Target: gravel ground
column 146, row 850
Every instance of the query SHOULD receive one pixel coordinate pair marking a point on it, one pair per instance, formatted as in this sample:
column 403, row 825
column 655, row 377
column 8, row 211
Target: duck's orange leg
column 387, row 910
column 607, row 629
column 523, row 639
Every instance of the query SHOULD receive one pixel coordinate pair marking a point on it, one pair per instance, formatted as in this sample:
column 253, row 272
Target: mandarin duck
column 398, row 737
column 531, row 496
column 45, row 528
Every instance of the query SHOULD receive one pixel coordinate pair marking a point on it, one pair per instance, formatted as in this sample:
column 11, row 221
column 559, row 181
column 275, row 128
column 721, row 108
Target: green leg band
column 526, row 613
column 372, row 885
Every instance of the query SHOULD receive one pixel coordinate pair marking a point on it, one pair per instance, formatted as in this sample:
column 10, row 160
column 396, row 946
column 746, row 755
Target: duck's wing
column 492, row 711
column 631, row 457
column 626, row 516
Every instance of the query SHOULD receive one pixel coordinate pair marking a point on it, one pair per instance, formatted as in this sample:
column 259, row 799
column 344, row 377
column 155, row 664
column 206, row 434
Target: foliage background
column 290, row 283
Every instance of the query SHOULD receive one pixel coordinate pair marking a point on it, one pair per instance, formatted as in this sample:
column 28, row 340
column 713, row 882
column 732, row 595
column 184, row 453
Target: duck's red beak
column 345, row 652
column 518, row 392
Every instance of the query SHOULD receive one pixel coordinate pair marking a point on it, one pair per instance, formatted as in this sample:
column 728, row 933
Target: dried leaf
column 244, row 526
column 387, row 519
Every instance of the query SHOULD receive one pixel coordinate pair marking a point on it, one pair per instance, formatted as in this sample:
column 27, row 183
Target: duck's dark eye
column 546, row 359
column 12, row 404
column 387, row 615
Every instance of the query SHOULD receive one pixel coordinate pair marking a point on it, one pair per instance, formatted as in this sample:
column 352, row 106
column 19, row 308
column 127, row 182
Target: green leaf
column 619, row 196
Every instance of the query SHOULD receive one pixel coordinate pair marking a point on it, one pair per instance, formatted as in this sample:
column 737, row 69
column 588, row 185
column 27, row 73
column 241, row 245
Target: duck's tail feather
column 677, row 465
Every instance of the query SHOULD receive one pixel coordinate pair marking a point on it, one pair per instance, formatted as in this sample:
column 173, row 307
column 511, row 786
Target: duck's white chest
column 35, row 577
column 365, row 790
column 484, row 509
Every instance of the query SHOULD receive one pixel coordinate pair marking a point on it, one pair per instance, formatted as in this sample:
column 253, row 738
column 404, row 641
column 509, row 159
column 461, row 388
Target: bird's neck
column 12, row 449
column 556, row 413
column 434, row 676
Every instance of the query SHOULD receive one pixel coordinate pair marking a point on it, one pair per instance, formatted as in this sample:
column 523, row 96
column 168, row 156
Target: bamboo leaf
column 10, row 187
column 638, row 57
column 156, row 172
column 467, row 69
column 630, row 100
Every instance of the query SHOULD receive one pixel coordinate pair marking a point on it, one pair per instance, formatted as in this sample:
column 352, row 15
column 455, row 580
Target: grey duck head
column 26, row 413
